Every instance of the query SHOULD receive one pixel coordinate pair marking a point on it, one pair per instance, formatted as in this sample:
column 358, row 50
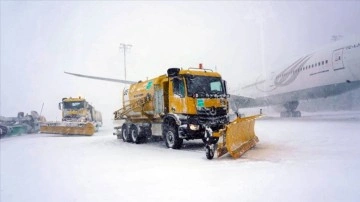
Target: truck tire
column 134, row 134
column 171, row 137
column 125, row 133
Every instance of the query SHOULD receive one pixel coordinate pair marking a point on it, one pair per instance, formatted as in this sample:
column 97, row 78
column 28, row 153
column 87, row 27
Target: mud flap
column 68, row 129
column 238, row 137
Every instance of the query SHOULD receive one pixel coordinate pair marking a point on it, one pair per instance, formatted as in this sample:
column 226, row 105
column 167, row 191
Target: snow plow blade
column 238, row 137
column 68, row 128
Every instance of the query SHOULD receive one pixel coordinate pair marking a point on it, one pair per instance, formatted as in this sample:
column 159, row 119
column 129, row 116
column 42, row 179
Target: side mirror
column 225, row 88
column 60, row 103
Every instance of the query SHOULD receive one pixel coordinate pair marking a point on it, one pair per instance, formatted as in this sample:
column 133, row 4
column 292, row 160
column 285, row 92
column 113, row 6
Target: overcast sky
column 42, row 39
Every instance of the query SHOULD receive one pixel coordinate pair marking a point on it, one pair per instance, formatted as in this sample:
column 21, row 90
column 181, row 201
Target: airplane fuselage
column 329, row 72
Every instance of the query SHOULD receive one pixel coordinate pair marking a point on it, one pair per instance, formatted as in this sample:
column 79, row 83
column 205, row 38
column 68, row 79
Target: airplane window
column 326, row 61
column 319, row 64
column 312, row 65
column 322, row 62
column 315, row 64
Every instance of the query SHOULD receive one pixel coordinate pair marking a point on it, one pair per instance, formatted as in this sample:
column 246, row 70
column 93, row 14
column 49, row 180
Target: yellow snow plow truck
column 78, row 118
column 185, row 105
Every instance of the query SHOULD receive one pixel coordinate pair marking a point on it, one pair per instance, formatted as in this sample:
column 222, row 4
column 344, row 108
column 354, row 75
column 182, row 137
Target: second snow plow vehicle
column 184, row 105
column 78, row 118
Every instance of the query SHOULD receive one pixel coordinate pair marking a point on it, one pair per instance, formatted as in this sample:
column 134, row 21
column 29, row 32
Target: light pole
column 125, row 47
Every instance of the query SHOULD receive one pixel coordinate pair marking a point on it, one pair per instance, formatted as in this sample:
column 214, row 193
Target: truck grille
column 212, row 111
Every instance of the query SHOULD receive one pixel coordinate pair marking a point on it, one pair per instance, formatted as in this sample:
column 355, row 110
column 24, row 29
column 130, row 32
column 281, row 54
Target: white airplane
column 328, row 72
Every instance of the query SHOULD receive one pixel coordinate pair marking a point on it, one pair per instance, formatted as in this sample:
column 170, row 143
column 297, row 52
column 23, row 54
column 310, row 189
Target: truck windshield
column 204, row 86
column 74, row 105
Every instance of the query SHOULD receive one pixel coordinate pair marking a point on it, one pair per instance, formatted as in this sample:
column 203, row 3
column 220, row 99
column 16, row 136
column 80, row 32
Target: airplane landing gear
column 291, row 109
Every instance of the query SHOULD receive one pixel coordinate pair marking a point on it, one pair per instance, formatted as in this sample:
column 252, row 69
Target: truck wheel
column 125, row 133
column 134, row 134
column 172, row 139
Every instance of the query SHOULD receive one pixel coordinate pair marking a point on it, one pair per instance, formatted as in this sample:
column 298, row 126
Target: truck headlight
column 194, row 127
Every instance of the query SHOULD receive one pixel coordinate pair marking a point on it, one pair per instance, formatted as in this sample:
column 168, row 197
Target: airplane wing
column 102, row 78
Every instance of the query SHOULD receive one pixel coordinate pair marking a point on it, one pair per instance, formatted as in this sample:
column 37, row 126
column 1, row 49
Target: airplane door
column 337, row 59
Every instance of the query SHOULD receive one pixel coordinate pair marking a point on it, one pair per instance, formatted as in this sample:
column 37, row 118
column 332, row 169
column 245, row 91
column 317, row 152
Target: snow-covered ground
column 314, row 158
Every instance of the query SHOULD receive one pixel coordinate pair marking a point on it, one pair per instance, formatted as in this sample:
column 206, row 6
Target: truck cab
column 78, row 109
column 197, row 102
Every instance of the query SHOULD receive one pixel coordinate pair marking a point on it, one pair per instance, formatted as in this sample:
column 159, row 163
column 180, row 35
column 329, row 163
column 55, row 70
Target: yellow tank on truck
column 184, row 105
